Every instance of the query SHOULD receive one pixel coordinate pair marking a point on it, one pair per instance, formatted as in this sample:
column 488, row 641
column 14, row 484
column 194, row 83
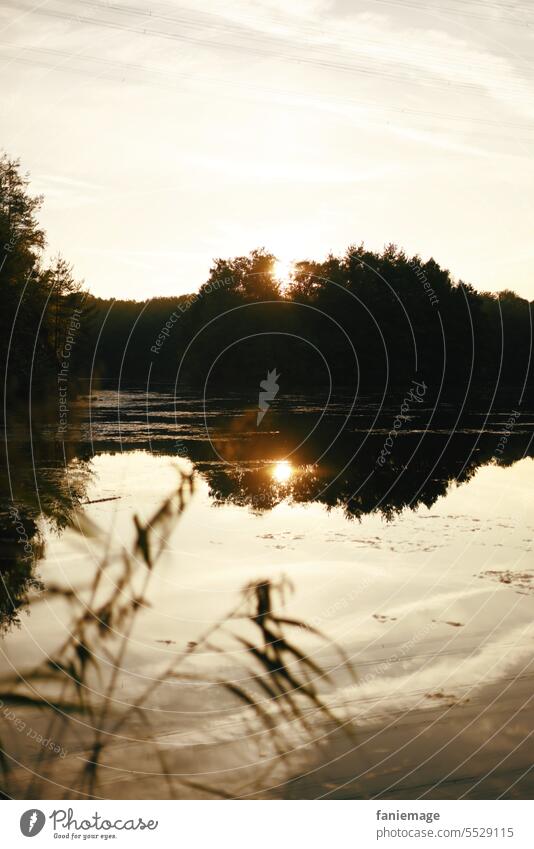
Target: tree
column 23, row 297
column 35, row 299
column 60, row 279
column 21, row 238
column 250, row 278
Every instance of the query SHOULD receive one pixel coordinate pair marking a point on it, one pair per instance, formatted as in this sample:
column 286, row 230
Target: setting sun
column 283, row 270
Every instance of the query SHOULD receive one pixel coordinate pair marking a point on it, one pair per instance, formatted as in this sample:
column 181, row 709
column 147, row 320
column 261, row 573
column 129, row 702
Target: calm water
column 421, row 569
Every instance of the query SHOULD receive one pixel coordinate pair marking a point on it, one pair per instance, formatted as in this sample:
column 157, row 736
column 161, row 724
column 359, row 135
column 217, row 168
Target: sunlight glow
column 282, row 270
column 282, row 471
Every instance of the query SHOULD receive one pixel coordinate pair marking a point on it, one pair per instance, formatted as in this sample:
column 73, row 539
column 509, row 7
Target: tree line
column 364, row 320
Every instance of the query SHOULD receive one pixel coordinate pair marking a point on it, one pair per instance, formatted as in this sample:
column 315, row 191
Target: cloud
column 239, row 113
column 460, row 675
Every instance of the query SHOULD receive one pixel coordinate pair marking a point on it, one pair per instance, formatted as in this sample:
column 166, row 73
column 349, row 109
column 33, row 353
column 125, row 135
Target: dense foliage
column 365, row 319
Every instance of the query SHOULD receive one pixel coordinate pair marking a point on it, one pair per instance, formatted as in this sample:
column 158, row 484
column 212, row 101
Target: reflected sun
column 282, row 471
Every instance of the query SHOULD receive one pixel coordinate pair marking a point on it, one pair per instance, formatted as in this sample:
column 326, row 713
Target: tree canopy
column 364, row 319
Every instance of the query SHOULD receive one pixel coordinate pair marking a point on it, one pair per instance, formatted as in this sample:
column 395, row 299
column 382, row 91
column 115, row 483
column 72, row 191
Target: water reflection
column 282, row 471
column 338, row 468
column 435, row 605
column 301, row 454
column 43, row 481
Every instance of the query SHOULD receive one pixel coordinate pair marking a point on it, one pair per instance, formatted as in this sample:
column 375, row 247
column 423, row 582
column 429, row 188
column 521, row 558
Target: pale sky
column 165, row 134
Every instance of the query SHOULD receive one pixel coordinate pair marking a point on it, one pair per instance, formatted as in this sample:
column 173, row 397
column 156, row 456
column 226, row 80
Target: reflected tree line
column 43, row 481
column 301, row 454
column 333, row 459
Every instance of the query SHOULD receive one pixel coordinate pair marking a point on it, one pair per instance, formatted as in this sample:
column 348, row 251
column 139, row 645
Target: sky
column 163, row 134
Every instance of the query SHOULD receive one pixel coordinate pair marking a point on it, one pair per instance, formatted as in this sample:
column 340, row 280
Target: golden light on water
column 282, row 471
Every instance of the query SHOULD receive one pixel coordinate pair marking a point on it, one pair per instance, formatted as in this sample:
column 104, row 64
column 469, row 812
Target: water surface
column 420, row 570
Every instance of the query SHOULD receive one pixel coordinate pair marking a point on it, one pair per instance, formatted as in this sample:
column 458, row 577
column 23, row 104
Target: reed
column 275, row 683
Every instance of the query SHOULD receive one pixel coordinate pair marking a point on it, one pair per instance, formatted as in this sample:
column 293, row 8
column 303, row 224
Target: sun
column 283, row 270
column 282, row 471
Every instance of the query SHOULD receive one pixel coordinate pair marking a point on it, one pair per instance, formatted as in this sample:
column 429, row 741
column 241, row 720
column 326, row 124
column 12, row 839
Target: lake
column 417, row 568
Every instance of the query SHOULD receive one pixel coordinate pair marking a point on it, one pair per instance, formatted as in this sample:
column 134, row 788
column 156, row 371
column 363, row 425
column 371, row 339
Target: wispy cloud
column 317, row 105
